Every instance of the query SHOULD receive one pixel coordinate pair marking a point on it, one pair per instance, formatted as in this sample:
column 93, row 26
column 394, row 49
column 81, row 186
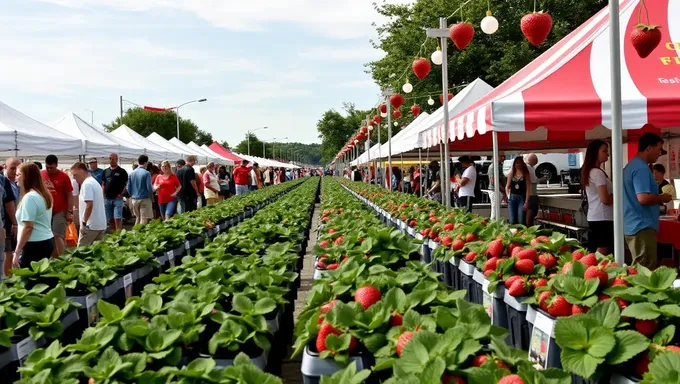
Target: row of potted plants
column 570, row 308
column 380, row 308
column 220, row 307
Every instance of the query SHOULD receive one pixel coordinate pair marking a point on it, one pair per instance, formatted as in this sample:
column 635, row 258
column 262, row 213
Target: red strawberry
column 415, row 109
column 645, row 38
column 539, row 240
column 540, row 283
column 511, row 279
column 448, row 227
column 566, row 267
column 619, row 281
column 516, row 251
column 412, row 223
column 461, row 34
column 621, row 302
column 339, row 240
column 491, row 264
column 632, row 271
column 320, row 265
column 324, row 244
column 536, row 27
column 525, row 267
column 402, row 341
column 548, row 260
column 565, row 248
column 673, row 348
column 559, row 307
column 646, row 327
column 576, row 309
column 495, row 249
column 603, row 297
column 488, row 272
column 543, row 300
column 512, row 247
column 642, row 363
column 332, row 230
column 518, row 288
column 577, row 255
column 425, row 232
column 458, row 245
column 446, row 241
column 328, row 306
column 333, row 266
column 528, row 254
column 470, row 257
column 326, row 329
column 396, row 319
column 511, row 379
column 597, row 273
column 446, row 379
column 367, row 296
column 589, row 260
column 470, row 237
column 478, row 361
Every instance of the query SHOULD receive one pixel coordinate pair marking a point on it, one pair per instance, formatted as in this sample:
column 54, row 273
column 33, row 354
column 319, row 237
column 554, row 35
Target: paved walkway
column 290, row 370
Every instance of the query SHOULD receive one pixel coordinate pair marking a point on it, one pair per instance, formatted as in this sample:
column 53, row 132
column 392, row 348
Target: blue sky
column 279, row 63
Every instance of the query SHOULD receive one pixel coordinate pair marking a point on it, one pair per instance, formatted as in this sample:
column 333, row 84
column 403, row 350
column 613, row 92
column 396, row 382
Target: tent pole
column 496, row 192
column 617, row 129
column 445, row 97
column 388, row 93
column 442, row 175
column 420, row 171
column 379, row 165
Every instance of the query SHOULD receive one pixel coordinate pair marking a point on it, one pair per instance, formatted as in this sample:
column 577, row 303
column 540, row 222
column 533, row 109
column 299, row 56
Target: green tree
column 255, row 146
column 225, row 144
column 492, row 58
column 335, row 129
column 163, row 123
column 307, row 153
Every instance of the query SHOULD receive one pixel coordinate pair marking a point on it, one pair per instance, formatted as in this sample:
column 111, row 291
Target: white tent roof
column 126, row 133
column 192, row 151
column 23, row 136
column 266, row 162
column 98, row 143
column 209, row 152
column 161, row 142
column 412, row 137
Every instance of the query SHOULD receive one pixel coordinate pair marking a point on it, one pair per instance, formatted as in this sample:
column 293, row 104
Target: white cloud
column 362, row 53
column 337, row 19
column 358, row 84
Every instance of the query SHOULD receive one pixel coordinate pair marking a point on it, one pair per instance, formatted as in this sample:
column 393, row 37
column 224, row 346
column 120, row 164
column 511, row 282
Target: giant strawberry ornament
column 441, row 97
column 536, row 27
column 415, row 109
column 396, row 100
column 396, row 114
column 645, row 38
column 383, row 108
column 421, row 67
column 377, row 119
column 461, row 34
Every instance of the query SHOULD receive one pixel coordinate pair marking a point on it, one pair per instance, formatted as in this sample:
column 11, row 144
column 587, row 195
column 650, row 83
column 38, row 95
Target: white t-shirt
column 90, row 190
column 253, row 177
column 597, row 211
column 76, row 187
column 468, row 189
column 534, row 180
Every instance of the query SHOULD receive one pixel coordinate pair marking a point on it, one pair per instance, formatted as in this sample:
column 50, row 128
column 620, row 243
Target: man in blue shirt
column 641, row 201
column 94, row 170
column 140, row 189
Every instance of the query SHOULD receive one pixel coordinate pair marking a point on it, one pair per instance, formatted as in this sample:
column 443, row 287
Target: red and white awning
column 567, row 90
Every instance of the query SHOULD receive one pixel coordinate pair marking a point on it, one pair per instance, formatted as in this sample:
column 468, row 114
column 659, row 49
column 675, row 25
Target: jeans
column 516, row 209
column 36, row 251
column 113, row 209
column 241, row 189
column 168, row 209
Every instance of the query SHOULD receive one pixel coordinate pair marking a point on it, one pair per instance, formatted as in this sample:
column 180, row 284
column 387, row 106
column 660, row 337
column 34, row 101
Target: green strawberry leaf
column 579, row 362
column 606, row 312
column 628, row 345
column 665, row 336
column 642, row 311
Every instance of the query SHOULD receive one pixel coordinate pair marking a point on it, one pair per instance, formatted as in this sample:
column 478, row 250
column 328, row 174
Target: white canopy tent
column 23, row 136
column 192, row 151
column 161, row 142
column 97, row 142
column 378, row 150
column 209, row 152
column 266, row 162
column 126, row 133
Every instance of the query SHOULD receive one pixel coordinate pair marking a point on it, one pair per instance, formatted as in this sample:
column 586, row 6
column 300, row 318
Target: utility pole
column 121, row 107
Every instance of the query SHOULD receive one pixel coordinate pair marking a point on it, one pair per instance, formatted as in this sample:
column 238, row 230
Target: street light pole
column 248, row 136
column 91, row 116
column 273, row 148
column 177, row 111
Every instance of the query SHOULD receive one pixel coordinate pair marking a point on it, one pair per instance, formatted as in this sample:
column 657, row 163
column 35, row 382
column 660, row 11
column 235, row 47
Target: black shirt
column 186, row 175
column 114, row 181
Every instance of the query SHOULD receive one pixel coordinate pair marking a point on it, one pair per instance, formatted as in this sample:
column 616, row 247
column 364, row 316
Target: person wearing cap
column 466, row 186
column 641, row 201
column 94, row 170
column 241, row 176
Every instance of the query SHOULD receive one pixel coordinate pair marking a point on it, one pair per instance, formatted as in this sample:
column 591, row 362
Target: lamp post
column 183, row 104
column 91, row 116
column 264, row 144
column 248, row 136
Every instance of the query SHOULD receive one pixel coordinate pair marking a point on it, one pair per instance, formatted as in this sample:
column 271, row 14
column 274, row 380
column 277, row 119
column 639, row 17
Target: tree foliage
column 163, row 123
column 336, row 128
column 308, row 153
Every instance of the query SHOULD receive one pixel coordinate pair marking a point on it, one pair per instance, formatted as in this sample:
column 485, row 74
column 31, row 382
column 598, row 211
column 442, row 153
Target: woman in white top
column 211, row 184
column 598, row 190
column 466, row 186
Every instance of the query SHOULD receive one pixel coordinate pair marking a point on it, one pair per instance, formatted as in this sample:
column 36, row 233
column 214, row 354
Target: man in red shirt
column 241, row 176
column 61, row 188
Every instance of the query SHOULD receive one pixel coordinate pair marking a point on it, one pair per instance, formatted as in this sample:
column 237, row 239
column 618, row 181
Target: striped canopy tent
column 220, row 150
column 562, row 100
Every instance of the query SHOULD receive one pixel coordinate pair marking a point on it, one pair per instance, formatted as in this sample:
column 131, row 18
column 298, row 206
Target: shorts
column 36, row 251
column 142, row 208
column 168, row 209
column 241, row 189
column 465, row 202
column 10, row 240
column 642, row 246
column 87, row 237
column 601, row 234
column 59, row 225
column 113, row 209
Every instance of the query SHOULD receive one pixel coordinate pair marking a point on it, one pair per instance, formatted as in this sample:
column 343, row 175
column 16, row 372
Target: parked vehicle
column 549, row 164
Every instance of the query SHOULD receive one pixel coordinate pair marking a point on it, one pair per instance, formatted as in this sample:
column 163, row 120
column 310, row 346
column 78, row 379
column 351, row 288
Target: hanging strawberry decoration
column 441, row 97
column 396, row 100
column 645, row 37
column 382, row 108
column 461, row 34
column 415, row 109
column 371, row 122
column 421, row 67
column 536, row 26
column 396, row 114
column 364, row 130
column 377, row 119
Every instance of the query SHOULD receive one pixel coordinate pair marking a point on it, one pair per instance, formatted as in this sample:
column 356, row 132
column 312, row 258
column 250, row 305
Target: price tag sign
column 127, row 285
column 217, row 230
column 24, row 347
column 487, row 299
column 539, row 345
column 187, row 246
column 92, row 310
column 171, row 259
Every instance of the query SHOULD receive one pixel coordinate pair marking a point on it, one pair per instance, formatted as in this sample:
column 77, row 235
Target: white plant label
column 539, row 344
column 127, row 285
column 92, row 310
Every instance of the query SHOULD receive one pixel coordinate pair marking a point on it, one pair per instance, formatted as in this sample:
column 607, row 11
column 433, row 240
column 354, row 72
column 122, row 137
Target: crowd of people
column 39, row 206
